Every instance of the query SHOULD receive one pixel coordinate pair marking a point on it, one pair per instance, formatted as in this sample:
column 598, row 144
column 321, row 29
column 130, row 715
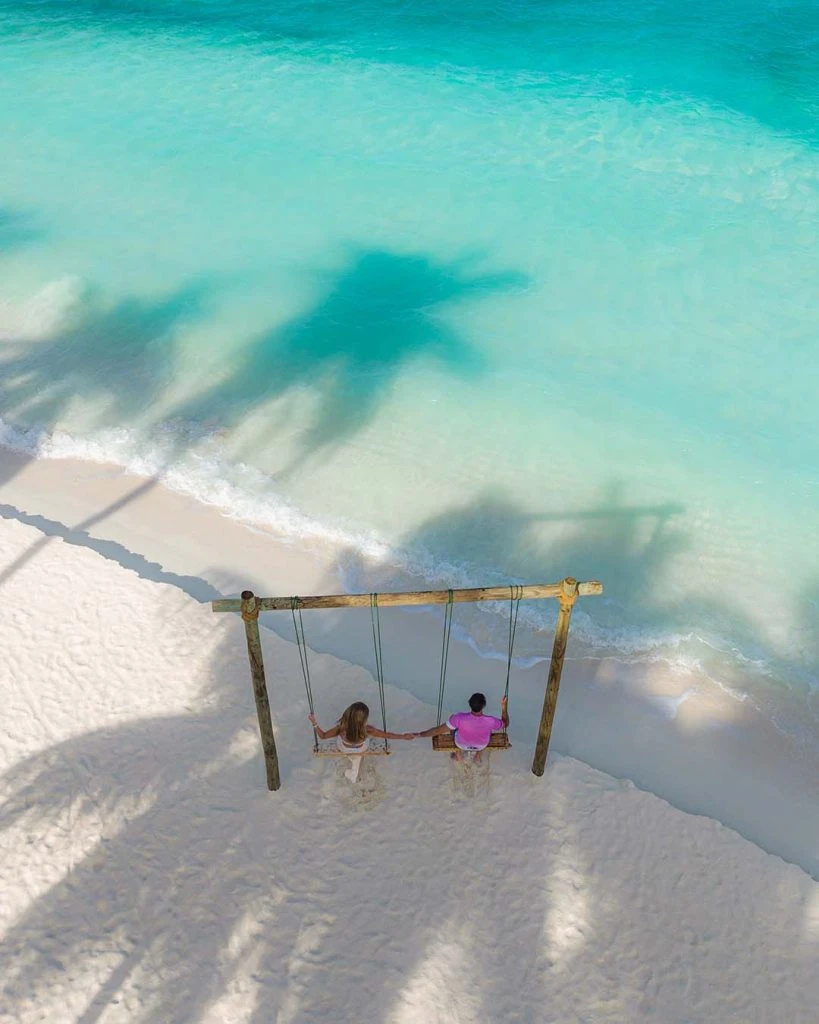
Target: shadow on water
column 491, row 539
column 379, row 314
column 17, row 229
column 626, row 545
column 121, row 358
column 631, row 548
column 118, row 361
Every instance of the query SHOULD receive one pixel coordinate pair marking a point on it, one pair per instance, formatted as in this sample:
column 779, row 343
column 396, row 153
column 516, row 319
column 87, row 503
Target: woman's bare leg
column 352, row 771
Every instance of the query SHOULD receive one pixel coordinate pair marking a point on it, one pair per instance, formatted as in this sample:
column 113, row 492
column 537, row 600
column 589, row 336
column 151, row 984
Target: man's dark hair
column 477, row 702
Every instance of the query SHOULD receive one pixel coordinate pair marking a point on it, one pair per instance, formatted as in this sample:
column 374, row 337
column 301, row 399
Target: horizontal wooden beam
column 411, row 597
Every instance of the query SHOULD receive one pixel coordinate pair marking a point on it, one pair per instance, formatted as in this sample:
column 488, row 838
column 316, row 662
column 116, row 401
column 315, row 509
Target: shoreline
column 672, row 733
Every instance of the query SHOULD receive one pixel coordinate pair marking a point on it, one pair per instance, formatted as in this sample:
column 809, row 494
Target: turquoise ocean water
column 478, row 291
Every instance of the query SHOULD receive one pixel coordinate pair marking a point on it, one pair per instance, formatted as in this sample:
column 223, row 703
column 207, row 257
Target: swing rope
column 301, row 643
column 445, row 653
column 379, row 663
column 515, row 596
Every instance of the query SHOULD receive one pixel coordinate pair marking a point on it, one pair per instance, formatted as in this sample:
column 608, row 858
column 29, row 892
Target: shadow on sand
column 203, row 887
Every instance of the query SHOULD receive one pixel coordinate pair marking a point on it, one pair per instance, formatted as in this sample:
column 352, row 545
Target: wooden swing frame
column 249, row 606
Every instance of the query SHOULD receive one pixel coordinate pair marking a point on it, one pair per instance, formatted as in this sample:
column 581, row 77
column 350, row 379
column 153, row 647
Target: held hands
column 504, row 703
column 404, row 735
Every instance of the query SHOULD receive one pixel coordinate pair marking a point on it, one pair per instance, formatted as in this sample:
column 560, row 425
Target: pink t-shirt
column 473, row 730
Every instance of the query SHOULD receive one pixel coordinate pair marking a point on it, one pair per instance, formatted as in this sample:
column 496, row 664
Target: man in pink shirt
column 472, row 728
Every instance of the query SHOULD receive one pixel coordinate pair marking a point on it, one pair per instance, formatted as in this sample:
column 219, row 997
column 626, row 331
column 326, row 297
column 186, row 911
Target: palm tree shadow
column 17, row 229
column 119, row 361
column 121, row 358
column 380, row 313
column 630, row 547
column 492, row 540
column 140, row 781
column 195, row 873
column 808, row 622
column 627, row 545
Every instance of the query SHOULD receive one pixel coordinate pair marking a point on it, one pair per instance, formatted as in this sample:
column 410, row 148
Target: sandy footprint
column 469, row 780
column 366, row 792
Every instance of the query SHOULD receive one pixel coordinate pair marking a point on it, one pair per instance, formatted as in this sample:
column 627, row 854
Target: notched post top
column 250, row 606
column 569, row 592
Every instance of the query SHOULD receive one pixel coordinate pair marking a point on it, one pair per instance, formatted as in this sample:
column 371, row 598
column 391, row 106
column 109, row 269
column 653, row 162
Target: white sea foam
column 366, row 561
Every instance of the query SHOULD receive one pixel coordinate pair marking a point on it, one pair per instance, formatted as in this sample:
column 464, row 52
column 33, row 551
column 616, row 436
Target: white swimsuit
column 353, row 749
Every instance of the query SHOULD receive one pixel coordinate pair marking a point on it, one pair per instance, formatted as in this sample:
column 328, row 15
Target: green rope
column 515, row 596
column 301, row 643
column 379, row 663
column 445, row 653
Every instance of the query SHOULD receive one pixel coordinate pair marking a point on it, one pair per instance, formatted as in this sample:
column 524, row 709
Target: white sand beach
column 659, row 872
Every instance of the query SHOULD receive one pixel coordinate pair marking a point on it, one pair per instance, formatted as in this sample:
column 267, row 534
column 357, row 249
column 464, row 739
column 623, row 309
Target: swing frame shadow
column 249, row 606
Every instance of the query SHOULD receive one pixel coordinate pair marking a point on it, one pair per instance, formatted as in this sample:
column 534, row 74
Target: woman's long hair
column 353, row 723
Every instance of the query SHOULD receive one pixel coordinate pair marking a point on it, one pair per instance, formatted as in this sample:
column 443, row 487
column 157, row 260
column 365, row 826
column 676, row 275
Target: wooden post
column 568, row 596
column 250, row 615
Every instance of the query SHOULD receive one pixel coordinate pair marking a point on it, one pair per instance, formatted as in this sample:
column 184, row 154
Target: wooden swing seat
column 328, row 748
column 446, row 741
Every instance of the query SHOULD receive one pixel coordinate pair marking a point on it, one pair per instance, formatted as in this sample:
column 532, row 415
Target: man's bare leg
column 456, row 755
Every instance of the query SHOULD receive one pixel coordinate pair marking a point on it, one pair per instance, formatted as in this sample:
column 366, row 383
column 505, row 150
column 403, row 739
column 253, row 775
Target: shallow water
column 477, row 291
